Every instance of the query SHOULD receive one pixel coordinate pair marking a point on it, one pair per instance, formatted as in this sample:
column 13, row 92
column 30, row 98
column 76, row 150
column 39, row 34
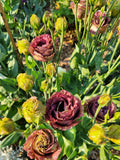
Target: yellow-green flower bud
column 44, row 85
column 45, row 17
column 50, row 69
column 115, row 9
column 49, row 24
column 25, row 82
column 23, row 46
column 35, row 22
column 96, row 134
column 6, row 126
column 33, row 110
column 114, row 133
column 59, row 24
column 104, row 100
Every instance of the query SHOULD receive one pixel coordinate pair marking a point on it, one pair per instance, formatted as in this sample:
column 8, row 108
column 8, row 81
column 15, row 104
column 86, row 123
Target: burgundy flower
column 41, row 48
column 80, row 8
column 96, row 22
column 92, row 106
column 63, row 109
column 42, row 145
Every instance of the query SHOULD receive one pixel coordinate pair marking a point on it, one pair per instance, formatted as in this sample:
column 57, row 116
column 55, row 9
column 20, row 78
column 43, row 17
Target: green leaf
column 30, row 62
column 12, row 66
column 9, row 84
column 3, row 53
column 70, row 134
column 103, row 155
column 10, row 139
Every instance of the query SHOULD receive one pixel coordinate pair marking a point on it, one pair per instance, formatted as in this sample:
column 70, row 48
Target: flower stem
column 113, row 54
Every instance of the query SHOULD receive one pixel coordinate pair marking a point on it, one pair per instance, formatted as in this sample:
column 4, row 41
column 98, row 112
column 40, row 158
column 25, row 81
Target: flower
column 80, row 8
column 60, row 22
column 96, row 134
column 6, row 126
column 33, row 110
column 23, row 46
column 41, row 48
column 62, row 110
column 42, row 145
column 114, row 133
column 92, row 106
column 97, row 18
column 25, row 82
column 35, row 22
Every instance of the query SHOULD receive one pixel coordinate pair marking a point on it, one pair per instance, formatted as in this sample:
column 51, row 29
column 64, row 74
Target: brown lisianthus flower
column 41, row 48
column 97, row 18
column 92, row 106
column 62, row 110
column 42, row 145
column 80, row 8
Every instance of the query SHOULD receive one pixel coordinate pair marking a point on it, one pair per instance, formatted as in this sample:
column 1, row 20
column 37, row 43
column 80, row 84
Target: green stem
column 90, row 85
column 76, row 25
column 96, row 89
column 51, row 31
column 113, row 66
column 96, row 113
column 117, row 44
column 85, row 21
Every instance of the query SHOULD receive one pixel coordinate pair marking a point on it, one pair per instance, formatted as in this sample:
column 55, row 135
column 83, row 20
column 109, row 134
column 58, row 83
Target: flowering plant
column 61, row 112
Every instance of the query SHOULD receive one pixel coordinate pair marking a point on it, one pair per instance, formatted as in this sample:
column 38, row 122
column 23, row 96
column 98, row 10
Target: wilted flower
column 42, row 145
column 35, row 22
column 96, row 134
column 97, row 18
column 62, row 110
column 23, row 46
column 25, row 82
column 50, row 69
column 33, row 110
column 6, row 126
column 41, row 48
column 80, row 9
column 60, row 22
column 92, row 106
column 115, row 9
column 114, row 133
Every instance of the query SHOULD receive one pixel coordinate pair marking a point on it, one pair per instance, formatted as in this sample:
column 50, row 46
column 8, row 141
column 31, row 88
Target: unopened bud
column 59, row 24
column 35, row 22
column 96, row 134
column 50, row 69
column 23, row 46
column 6, row 126
column 104, row 100
column 25, row 82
